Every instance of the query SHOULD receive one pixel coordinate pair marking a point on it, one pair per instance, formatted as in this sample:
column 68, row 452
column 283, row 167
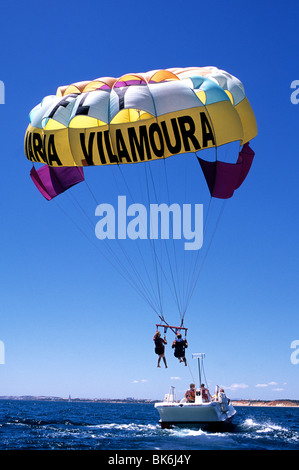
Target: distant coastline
column 83, row 400
column 273, row 403
column 282, row 403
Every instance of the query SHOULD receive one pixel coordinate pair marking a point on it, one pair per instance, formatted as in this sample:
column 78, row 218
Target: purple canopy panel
column 224, row 178
column 245, row 158
column 52, row 181
column 221, row 177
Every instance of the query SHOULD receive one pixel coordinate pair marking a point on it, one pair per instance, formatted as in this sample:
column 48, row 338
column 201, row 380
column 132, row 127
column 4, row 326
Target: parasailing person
column 179, row 345
column 160, row 348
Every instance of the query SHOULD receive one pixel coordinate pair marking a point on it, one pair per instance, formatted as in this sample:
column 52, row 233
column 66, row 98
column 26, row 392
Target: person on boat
column 222, row 397
column 179, row 345
column 159, row 347
column 190, row 394
column 205, row 394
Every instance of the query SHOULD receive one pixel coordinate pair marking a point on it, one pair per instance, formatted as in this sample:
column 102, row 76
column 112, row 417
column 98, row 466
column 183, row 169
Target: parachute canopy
column 141, row 117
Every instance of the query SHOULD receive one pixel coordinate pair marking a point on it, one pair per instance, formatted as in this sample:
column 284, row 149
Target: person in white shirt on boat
column 222, row 398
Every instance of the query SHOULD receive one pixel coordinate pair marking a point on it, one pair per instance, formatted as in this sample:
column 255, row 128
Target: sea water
column 49, row 425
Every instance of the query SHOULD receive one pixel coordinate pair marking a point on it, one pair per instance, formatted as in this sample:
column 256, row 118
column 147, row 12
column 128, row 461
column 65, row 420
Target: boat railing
column 171, row 397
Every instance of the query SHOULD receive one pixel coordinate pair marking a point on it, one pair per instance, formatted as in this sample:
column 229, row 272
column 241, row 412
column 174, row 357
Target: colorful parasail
column 141, row 117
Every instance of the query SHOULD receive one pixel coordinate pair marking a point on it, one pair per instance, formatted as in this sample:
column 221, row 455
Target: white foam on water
column 263, row 427
column 129, row 426
column 203, row 438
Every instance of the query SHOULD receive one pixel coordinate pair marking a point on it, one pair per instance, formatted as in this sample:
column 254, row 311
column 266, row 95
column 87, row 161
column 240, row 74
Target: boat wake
column 266, row 427
column 269, row 432
column 249, row 434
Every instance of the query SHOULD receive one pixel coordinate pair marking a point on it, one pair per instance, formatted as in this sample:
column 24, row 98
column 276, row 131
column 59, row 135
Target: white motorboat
column 205, row 410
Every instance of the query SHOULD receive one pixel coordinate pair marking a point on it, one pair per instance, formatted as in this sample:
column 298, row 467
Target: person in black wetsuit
column 159, row 347
column 179, row 346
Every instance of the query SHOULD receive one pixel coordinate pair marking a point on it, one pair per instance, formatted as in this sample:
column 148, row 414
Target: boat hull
column 191, row 413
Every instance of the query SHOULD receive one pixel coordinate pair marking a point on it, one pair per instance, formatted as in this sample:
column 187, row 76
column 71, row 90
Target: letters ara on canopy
column 141, row 117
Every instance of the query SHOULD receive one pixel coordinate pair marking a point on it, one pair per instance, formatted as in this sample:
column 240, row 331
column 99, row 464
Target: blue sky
column 69, row 322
